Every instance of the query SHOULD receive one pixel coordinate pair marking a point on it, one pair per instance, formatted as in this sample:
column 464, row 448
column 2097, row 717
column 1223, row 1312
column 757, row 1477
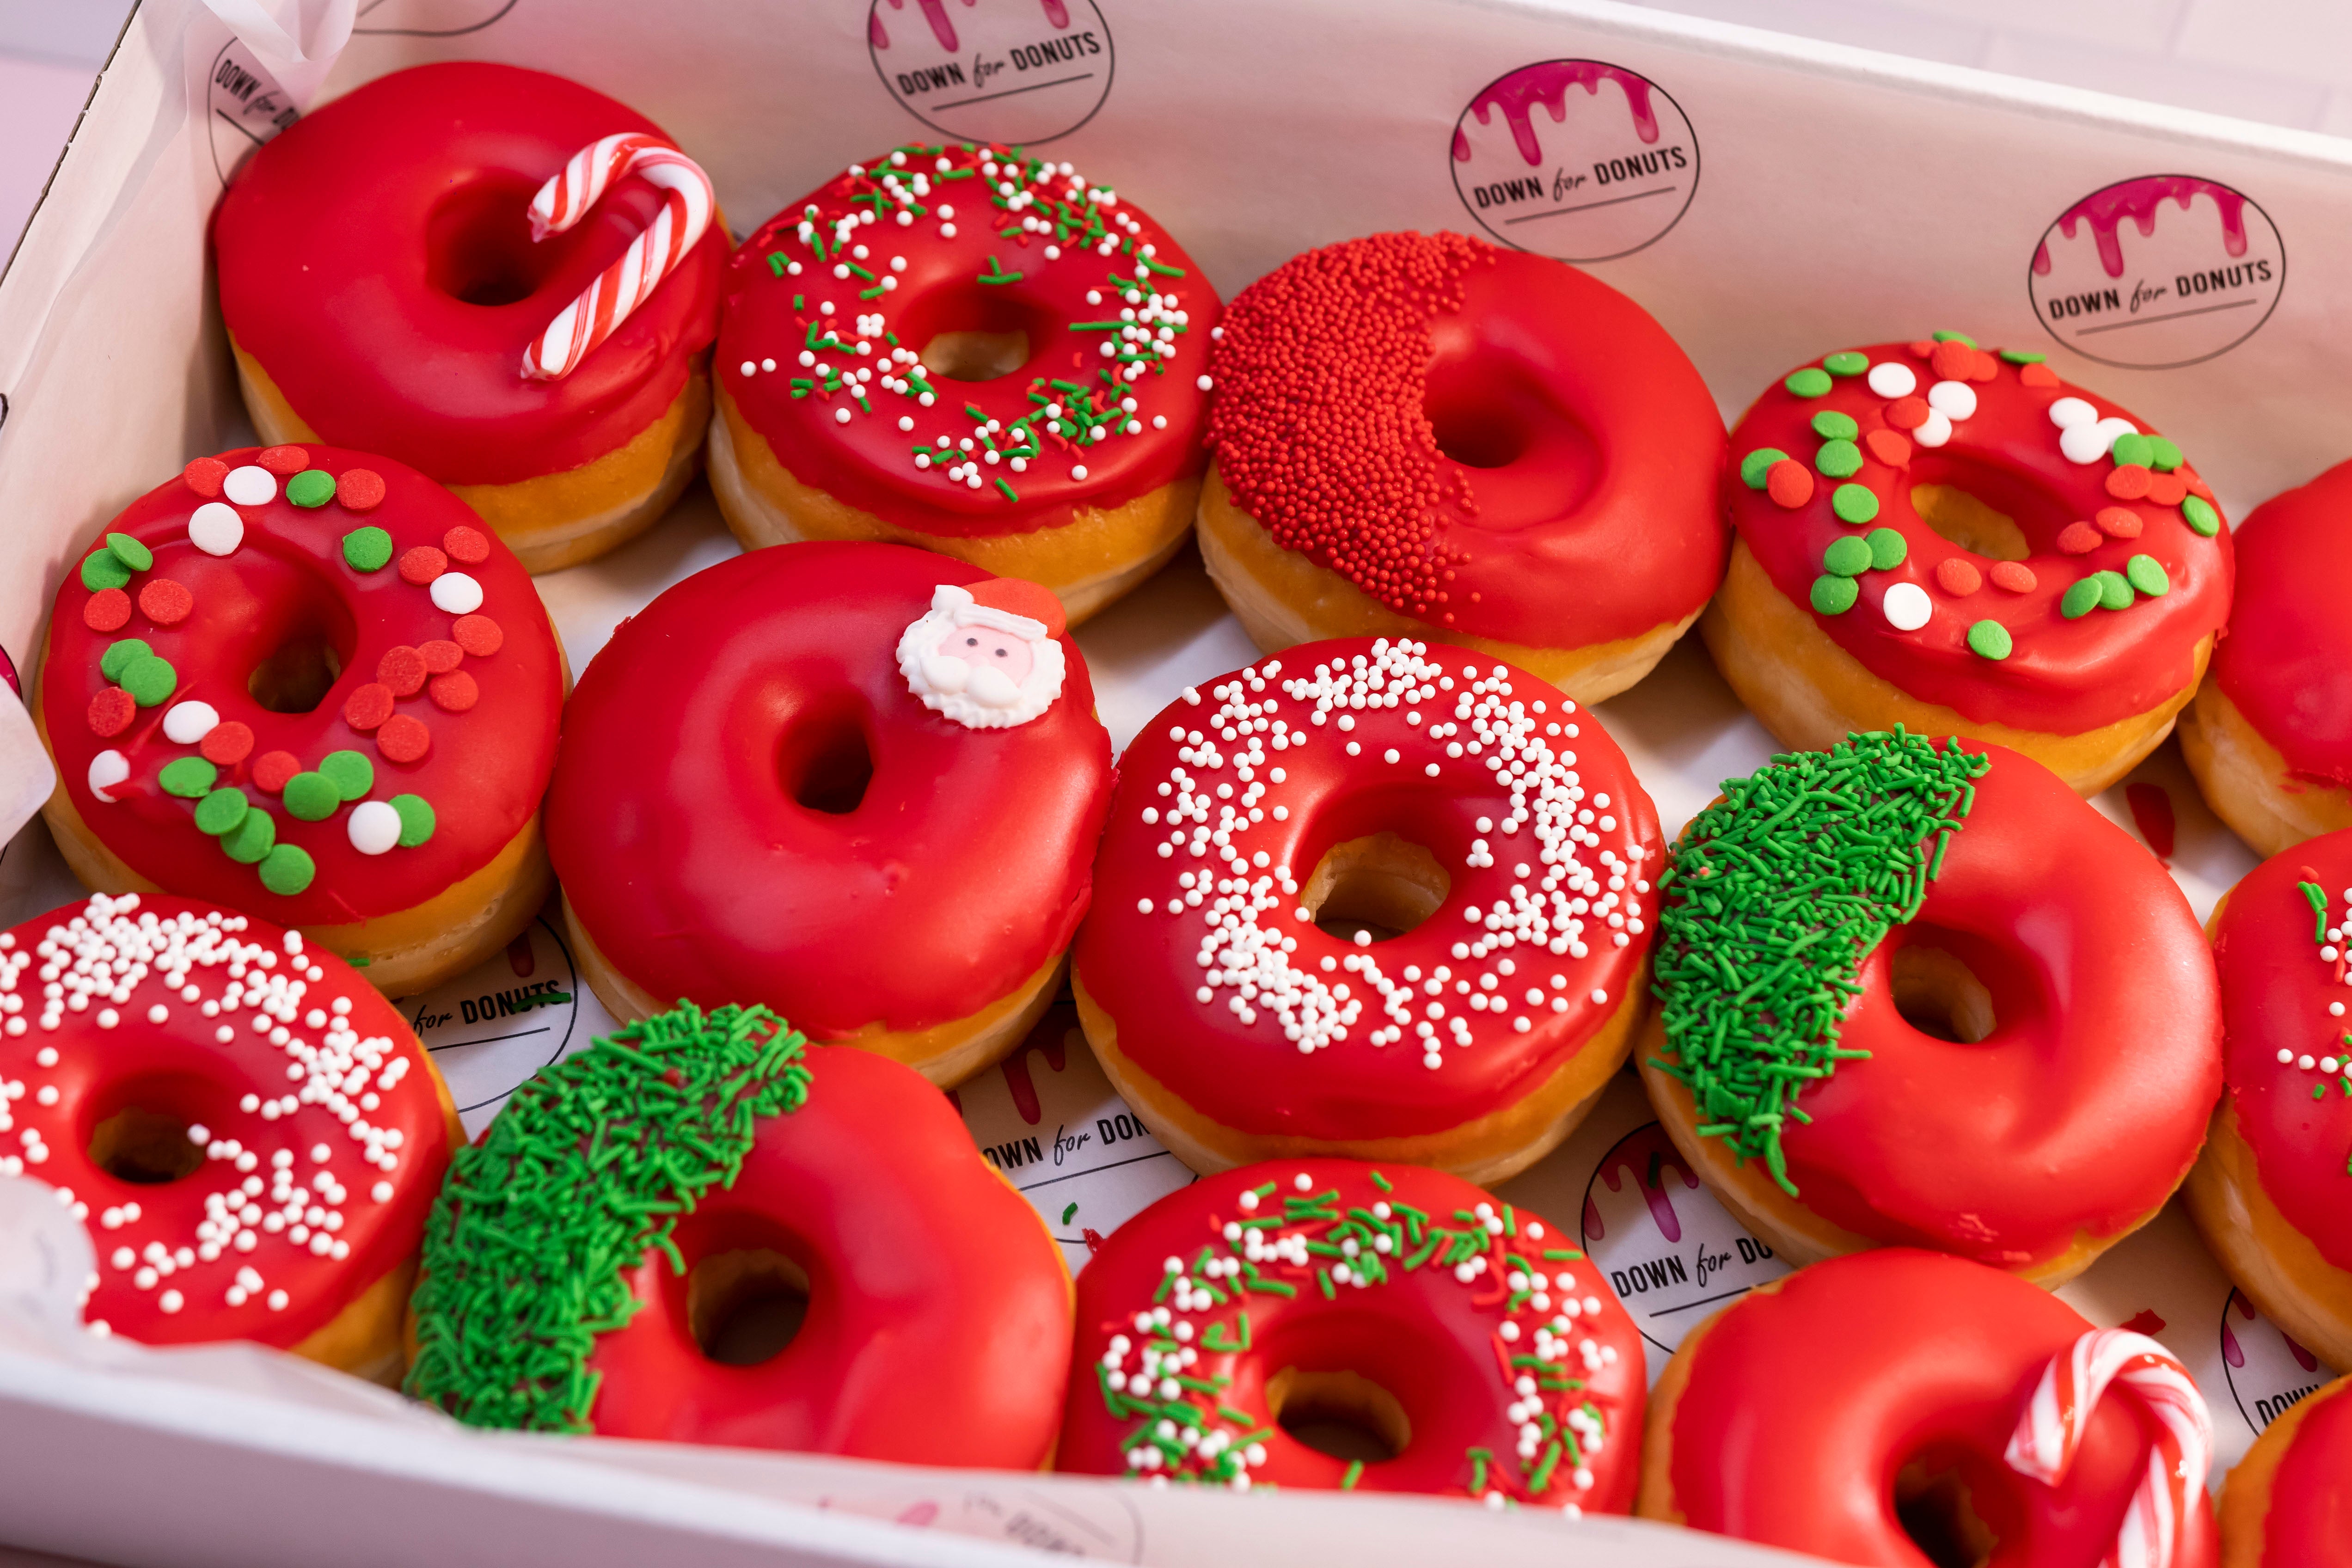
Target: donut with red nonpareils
column 432, row 267
column 1952, row 539
column 250, row 1132
column 1473, row 1348
column 308, row 682
column 1372, row 898
column 854, row 780
column 2289, row 1500
column 974, row 350
column 1425, row 435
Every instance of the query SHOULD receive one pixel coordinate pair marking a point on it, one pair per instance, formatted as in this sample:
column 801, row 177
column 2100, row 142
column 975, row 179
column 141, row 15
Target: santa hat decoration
column 1005, row 605
column 984, row 698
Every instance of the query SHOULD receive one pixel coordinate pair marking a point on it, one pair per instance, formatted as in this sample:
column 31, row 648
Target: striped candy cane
column 629, row 282
column 2050, row 1430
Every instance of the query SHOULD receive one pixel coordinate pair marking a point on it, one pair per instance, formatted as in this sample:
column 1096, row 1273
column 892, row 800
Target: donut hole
column 974, row 332
column 297, row 677
column 477, row 244
column 1987, row 511
column 1380, row 885
column 1933, row 1504
column 828, row 763
column 976, row 355
column 146, row 1148
column 744, row 1307
column 1938, row 995
column 1343, row 1413
column 1491, row 407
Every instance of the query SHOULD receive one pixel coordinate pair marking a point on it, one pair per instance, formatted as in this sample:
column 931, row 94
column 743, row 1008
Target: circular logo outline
column 1110, row 79
column 571, row 1024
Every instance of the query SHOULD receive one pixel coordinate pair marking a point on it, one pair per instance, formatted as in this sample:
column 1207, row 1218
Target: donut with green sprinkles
column 1472, row 1340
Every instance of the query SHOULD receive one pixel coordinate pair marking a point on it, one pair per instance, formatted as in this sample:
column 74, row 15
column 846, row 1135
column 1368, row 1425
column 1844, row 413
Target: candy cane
column 2050, row 1430
column 621, row 288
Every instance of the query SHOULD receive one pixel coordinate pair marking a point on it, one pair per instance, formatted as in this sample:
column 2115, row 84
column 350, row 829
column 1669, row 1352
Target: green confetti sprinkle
column 188, row 777
column 2133, row 448
column 1845, row 362
column 2023, row 356
column 1810, row 382
column 118, row 655
column 149, row 680
column 1853, row 503
column 2201, row 515
column 1886, row 549
column 1835, row 595
column 1832, row 426
column 416, row 819
column 287, row 870
column 310, row 797
column 1754, row 467
column 2114, row 591
column 367, row 548
column 311, row 487
column 130, row 551
column 101, row 570
column 2164, row 456
column 2082, row 598
column 350, row 771
column 2145, row 573
column 1839, row 459
column 1847, row 557
column 1955, row 338
column 252, row 838
column 221, row 811
column 1067, row 1213
column 1990, row 639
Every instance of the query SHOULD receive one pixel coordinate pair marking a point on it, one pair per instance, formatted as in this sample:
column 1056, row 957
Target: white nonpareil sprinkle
column 2335, row 1056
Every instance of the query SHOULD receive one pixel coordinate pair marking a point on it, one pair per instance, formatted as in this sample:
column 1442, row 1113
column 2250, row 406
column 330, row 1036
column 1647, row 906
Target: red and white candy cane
column 651, row 257
column 2050, row 1430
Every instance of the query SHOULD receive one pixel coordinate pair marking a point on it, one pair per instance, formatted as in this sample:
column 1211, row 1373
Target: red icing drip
column 1094, row 1240
column 520, row 957
column 1057, row 14
column 942, row 25
column 2303, row 1358
column 2310, row 1517
column 2138, row 200
column 2151, row 810
column 2144, row 1321
column 1048, row 1037
column 1547, row 83
column 1647, row 1156
column 2287, row 662
column 1593, row 1229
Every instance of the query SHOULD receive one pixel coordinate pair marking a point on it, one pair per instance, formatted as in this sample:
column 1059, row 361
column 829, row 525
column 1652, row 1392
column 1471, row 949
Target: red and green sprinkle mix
column 2332, row 933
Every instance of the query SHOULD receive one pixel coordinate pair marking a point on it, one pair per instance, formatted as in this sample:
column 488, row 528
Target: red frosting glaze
column 1452, row 1352
column 2063, row 676
column 288, row 583
column 937, row 1306
column 1484, row 440
column 2279, row 975
column 1239, row 1061
column 2287, row 662
column 784, row 301
column 1804, row 1401
column 674, row 825
column 170, row 1269
column 2086, row 1105
column 376, row 258
column 2310, row 1520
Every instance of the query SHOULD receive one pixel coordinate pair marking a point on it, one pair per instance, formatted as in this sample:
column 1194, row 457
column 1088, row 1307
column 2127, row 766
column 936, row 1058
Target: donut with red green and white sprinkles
column 854, row 400
column 1953, row 538
column 308, row 682
column 250, row 1132
column 1471, row 1339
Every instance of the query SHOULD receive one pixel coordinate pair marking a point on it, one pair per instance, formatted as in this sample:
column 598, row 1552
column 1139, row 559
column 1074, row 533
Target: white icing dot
column 250, row 486
column 215, row 529
column 1907, row 607
column 108, row 769
column 189, row 723
column 456, row 593
column 2068, row 413
column 1890, row 379
column 374, row 826
column 1952, row 399
column 1935, row 431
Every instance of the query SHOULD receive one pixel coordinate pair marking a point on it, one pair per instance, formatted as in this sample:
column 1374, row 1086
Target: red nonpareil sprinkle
column 2015, row 576
column 2079, row 539
column 441, row 655
column 227, row 743
column 360, row 490
column 164, row 602
column 2129, row 482
column 2038, row 375
column 284, row 460
column 2168, row 490
column 454, row 692
column 404, row 670
column 1790, row 483
column 2117, row 522
column 108, row 610
column 403, row 738
column 478, row 635
column 1889, row 446
column 1958, row 577
column 466, row 546
column 111, row 712
column 421, row 563
column 272, row 769
column 205, row 476
column 1907, row 412
column 369, row 706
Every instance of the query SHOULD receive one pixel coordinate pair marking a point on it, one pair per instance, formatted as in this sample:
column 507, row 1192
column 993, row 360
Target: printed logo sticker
column 244, row 107
column 1020, row 71
column 2269, row 1373
column 2157, row 272
column 1608, row 168
column 492, row 1028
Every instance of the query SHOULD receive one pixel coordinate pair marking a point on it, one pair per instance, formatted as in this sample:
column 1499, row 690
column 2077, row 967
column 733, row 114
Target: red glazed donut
column 305, row 682
column 2272, row 1191
column 1935, row 536
column 381, row 284
column 936, row 1307
column 2289, row 1502
column 767, row 790
column 2269, row 733
column 1466, row 1339
column 252, row 1134
column 1866, row 1410
column 1425, row 436
column 1265, row 832
column 1929, row 998
column 972, row 351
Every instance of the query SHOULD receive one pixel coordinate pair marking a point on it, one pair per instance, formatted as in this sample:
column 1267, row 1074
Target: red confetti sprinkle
column 2038, row 375
column 478, row 635
column 1790, row 483
column 369, row 706
column 2144, row 1321
column 2151, row 810
column 1984, row 367
column 205, row 476
column 2117, row 522
column 1907, row 412
column 1958, row 577
column 2079, row 539
column 1925, row 347
column 108, row 610
column 164, row 602
column 2167, row 489
column 466, row 546
column 2129, row 482
column 2197, row 486
column 360, row 490
column 2014, row 575
column 403, row 738
column 227, row 743
column 441, row 655
column 1952, row 360
column 454, row 692
column 284, row 460
column 421, row 564
column 404, row 669
column 110, row 711
column 272, row 769
column 1889, row 446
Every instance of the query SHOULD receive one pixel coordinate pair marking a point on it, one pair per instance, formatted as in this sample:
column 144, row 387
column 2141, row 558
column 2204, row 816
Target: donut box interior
column 1813, row 196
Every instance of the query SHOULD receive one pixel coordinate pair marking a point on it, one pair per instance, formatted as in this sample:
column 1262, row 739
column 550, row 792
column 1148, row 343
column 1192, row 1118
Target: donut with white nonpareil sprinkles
column 307, row 683
column 2289, row 1500
column 1934, row 535
column 1370, row 898
column 1468, row 1340
column 250, row 1132
column 972, row 350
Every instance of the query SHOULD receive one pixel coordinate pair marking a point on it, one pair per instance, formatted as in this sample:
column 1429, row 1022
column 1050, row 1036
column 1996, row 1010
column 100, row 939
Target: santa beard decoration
column 986, row 656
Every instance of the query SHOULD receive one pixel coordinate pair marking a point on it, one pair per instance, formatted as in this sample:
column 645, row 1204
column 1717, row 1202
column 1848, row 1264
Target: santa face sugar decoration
column 988, row 655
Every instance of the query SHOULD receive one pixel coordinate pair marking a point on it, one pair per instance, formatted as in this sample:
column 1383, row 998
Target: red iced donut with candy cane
column 250, row 1132
column 1956, row 540
column 306, row 682
column 1908, row 1407
column 1469, row 1340
column 501, row 278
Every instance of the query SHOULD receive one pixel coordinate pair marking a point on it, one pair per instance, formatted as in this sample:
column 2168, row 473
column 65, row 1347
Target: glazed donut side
column 2287, row 1501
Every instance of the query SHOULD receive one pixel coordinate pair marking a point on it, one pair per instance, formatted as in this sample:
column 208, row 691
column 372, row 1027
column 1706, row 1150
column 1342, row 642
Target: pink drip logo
column 2269, row 1373
column 1022, row 72
column 2157, row 272
column 1579, row 160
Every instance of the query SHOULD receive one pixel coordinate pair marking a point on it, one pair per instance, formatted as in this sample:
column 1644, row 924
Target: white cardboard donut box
column 1765, row 198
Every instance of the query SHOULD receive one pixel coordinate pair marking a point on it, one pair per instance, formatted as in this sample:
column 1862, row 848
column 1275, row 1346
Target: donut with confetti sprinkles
column 1899, row 1006
column 2269, row 736
column 385, row 264
column 857, row 782
column 2272, row 1191
column 1381, row 898
column 972, row 350
column 2289, row 1501
column 1953, row 540
column 338, row 713
column 1898, row 1407
column 1466, row 1347
column 628, row 1247
column 1425, row 436
column 249, row 1130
